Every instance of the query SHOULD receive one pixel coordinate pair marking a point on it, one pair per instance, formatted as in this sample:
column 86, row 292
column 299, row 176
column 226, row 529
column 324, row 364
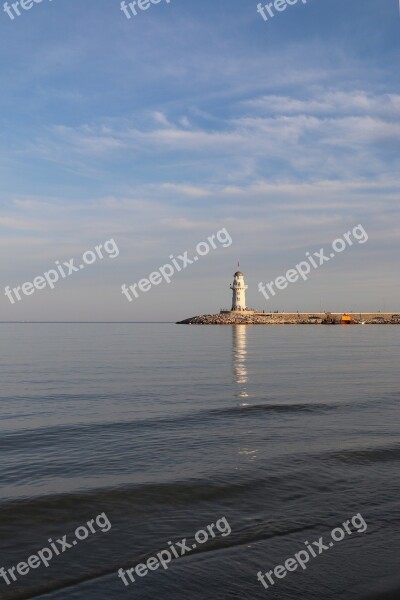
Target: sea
column 283, row 433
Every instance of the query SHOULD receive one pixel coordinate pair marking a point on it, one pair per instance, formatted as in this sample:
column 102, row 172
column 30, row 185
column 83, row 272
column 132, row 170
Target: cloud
column 328, row 101
column 333, row 135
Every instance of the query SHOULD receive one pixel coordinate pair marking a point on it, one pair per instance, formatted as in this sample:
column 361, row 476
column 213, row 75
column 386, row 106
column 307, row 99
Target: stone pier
column 292, row 318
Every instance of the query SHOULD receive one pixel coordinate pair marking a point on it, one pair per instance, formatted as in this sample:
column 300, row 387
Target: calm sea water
column 285, row 431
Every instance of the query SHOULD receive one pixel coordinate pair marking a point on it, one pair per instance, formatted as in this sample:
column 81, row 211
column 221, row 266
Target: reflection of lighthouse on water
column 239, row 359
column 246, row 450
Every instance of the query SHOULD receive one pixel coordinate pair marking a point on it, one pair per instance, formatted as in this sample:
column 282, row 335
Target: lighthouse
column 238, row 288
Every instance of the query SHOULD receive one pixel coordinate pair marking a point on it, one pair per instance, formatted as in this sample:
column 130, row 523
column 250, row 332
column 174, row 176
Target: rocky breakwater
column 233, row 319
column 256, row 318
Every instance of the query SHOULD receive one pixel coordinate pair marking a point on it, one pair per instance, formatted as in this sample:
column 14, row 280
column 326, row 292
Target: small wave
column 255, row 409
column 366, row 455
column 47, row 436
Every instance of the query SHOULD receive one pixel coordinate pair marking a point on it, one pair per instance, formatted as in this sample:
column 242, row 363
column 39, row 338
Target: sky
column 190, row 118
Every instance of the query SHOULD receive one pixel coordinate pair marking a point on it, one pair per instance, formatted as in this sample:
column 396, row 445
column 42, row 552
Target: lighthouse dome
column 238, row 274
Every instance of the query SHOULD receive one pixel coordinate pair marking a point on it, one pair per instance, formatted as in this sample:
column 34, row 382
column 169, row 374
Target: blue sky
column 192, row 116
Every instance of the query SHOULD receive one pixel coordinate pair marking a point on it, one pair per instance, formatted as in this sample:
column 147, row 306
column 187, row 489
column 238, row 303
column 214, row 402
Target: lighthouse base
column 226, row 311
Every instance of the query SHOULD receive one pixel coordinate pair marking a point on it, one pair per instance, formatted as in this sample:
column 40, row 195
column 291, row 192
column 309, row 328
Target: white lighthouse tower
column 238, row 288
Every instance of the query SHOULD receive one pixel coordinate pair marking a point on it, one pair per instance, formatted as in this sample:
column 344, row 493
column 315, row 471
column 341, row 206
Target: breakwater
column 297, row 318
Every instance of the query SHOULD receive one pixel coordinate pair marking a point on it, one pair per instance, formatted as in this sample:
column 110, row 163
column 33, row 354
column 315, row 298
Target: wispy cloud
column 334, row 135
